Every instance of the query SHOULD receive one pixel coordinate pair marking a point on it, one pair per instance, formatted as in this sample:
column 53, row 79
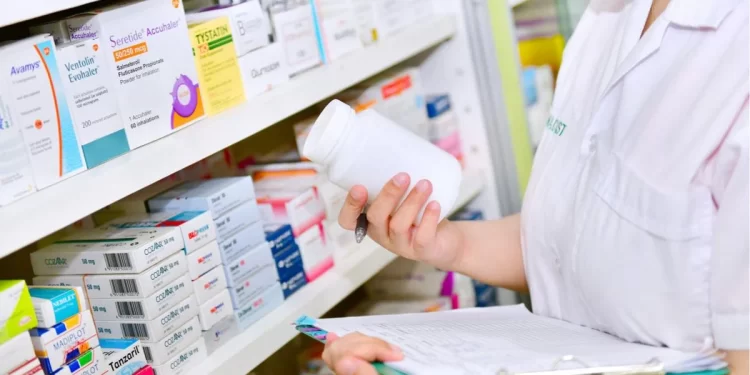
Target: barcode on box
column 134, row 330
column 124, row 287
column 147, row 352
column 130, row 309
column 118, row 261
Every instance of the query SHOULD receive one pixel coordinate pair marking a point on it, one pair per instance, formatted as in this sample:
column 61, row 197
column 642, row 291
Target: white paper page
column 483, row 341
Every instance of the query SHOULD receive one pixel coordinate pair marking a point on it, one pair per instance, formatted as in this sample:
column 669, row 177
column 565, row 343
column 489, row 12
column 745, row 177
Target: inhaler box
column 217, row 195
column 16, row 352
column 90, row 363
column 16, row 179
column 338, row 28
column 215, row 309
column 295, row 29
column 147, row 308
column 197, row 227
column 36, row 97
column 123, row 356
column 185, row 360
column 65, row 341
column 17, row 314
column 241, row 242
column 150, row 65
column 92, row 101
column 203, row 260
column 210, row 284
column 53, row 304
column 253, row 261
column 259, row 307
column 151, row 330
column 228, row 224
column 139, row 285
column 253, row 285
column 160, row 352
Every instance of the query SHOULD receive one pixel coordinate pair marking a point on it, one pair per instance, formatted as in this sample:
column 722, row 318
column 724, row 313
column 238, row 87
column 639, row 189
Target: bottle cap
column 327, row 131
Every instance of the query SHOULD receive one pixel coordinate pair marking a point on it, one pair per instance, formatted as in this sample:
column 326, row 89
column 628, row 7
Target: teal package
column 52, row 305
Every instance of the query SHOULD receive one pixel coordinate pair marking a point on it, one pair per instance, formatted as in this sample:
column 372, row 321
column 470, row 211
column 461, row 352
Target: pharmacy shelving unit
column 51, row 209
column 246, row 351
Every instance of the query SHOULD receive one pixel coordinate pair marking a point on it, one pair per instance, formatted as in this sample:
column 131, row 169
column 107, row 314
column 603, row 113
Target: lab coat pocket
column 671, row 216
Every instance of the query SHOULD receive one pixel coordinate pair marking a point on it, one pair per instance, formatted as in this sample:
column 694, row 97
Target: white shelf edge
column 57, row 206
column 251, row 347
column 31, row 9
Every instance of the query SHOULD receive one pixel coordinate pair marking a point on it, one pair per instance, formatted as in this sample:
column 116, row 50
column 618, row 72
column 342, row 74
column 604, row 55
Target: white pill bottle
column 368, row 149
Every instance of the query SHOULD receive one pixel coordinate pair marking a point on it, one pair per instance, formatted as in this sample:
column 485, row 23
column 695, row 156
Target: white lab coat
column 635, row 220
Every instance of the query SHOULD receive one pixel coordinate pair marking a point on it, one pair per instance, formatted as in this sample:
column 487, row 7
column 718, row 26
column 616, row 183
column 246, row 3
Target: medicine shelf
column 251, row 347
column 57, row 206
column 30, row 9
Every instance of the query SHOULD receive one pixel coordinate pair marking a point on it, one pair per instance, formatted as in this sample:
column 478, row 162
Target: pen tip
column 359, row 235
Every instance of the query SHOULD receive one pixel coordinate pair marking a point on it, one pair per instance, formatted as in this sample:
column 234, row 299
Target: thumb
column 354, row 366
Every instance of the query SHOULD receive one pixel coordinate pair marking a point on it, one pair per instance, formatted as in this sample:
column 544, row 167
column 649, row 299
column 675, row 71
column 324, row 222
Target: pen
column 360, row 231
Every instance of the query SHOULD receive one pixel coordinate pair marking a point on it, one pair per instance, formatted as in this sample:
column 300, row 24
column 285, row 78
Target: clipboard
column 306, row 326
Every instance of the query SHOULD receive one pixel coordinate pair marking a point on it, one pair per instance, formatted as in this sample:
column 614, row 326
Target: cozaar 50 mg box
column 159, row 352
column 139, row 285
column 107, row 251
column 151, row 330
column 185, row 360
column 142, row 308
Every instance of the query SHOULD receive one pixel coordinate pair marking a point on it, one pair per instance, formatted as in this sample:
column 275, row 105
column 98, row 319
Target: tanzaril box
column 16, row 179
column 31, row 81
column 150, row 64
column 147, row 308
column 92, row 101
column 123, row 356
column 197, row 227
column 17, row 313
column 151, row 330
column 65, row 341
column 158, row 353
column 107, row 251
column 139, row 285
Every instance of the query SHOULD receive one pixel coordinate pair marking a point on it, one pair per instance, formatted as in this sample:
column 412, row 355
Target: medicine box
column 215, row 309
column 16, row 352
column 150, row 330
column 161, row 351
column 295, row 29
column 253, row 285
column 92, row 100
column 16, row 179
column 90, row 363
column 139, row 285
column 259, row 307
column 221, row 333
column 210, row 284
column 151, row 66
column 33, row 87
column 147, row 308
column 196, row 227
column 17, row 315
column 147, row 370
column 123, row 356
column 236, row 219
column 293, row 282
column 264, row 69
column 316, row 251
column 337, row 27
column 107, row 250
column 279, row 236
column 288, row 260
column 203, row 260
column 249, row 263
column 216, row 63
column 247, row 22
column 364, row 13
column 217, row 195
column 185, row 360
column 31, row 367
column 53, row 304
column 65, row 341
column 241, row 242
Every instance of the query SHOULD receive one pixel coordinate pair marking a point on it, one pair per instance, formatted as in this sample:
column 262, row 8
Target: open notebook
column 506, row 339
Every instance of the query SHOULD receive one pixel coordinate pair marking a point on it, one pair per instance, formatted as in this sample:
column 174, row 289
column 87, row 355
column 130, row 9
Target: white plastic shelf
column 51, row 209
column 30, row 9
column 250, row 348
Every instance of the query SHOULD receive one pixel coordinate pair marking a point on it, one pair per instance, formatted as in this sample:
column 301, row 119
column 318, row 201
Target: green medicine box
column 16, row 310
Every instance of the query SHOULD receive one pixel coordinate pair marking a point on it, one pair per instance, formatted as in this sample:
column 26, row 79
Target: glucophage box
column 151, row 330
column 65, row 341
column 197, row 227
column 53, row 304
column 160, row 352
column 139, row 285
column 217, row 195
column 92, row 100
column 150, row 66
column 123, row 356
column 147, row 308
column 107, row 251
column 36, row 98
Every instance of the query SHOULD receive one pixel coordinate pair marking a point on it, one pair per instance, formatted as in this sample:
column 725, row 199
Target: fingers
column 352, row 353
column 354, row 366
column 355, row 202
column 399, row 228
column 384, row 204
column 425, row 234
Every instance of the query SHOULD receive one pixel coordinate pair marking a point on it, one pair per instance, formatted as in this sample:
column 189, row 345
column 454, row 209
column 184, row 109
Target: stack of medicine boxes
column 65, row 339
column 138, row 286
column 17, row 317
column 288, row 258
column 249, row 265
